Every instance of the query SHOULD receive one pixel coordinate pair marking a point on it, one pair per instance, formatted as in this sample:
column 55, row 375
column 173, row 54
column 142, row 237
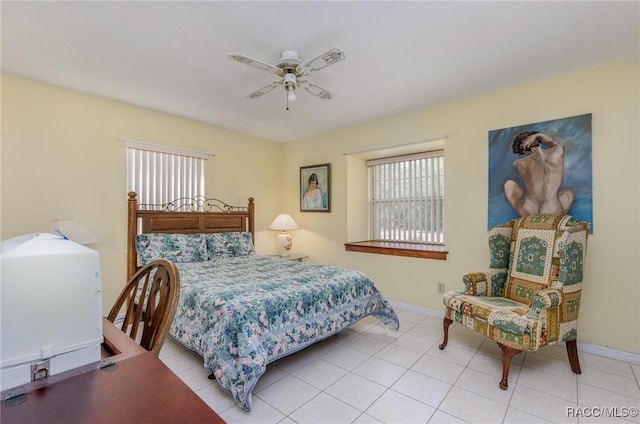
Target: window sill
column 413, row 250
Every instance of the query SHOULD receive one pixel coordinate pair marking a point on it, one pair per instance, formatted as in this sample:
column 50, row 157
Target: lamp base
column 284, row 244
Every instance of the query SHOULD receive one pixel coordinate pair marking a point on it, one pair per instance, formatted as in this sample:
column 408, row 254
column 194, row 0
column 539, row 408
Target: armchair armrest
column 544, row 299
column 485, row 283
column 475, row 284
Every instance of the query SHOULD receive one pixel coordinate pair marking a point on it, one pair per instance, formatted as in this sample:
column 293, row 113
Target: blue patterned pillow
column 174, row 247
column 243, row 244
column 229, row 244
column 218, row 245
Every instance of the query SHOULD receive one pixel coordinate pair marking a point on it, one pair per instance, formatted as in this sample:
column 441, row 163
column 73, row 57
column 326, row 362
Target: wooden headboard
column 187, row 215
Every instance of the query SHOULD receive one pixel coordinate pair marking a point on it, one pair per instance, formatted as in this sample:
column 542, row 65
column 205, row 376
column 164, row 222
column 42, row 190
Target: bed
column 239, row 310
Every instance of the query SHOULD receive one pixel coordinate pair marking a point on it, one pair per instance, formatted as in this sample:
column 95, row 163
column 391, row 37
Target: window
column 407, row 198
column 397, row 203
column 160, row 174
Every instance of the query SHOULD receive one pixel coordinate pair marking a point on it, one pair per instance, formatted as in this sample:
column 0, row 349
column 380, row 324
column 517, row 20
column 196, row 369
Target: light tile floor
column 368, row 374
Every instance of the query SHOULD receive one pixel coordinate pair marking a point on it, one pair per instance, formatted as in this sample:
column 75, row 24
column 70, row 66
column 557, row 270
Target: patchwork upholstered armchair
column 530, row 296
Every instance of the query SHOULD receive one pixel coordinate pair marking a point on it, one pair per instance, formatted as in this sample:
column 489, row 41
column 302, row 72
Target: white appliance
column 51, row 315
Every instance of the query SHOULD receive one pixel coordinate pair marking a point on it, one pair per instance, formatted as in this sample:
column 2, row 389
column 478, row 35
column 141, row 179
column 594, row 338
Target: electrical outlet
column 40, row 370
column 440, row 287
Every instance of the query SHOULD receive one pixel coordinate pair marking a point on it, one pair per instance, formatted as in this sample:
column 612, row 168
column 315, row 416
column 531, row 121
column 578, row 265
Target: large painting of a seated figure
column 539, row 168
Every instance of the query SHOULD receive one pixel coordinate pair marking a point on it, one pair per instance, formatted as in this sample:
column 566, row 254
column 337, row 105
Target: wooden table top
column 136, row 388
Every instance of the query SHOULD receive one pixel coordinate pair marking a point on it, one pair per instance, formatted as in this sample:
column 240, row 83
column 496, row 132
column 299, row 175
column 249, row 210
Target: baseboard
column 607, row 352
column 418, row 309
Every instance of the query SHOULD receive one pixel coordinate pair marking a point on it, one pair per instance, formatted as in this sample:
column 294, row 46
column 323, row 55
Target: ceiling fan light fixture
column 290, row 81
column 289, row 68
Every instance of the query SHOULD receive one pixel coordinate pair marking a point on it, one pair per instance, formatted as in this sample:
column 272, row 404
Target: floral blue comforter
column 241, row 313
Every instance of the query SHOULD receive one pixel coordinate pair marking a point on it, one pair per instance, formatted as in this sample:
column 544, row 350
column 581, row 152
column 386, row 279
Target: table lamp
column 284, row 223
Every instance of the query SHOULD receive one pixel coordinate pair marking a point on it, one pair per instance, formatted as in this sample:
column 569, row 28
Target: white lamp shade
column 283, row 222
column 70, row 229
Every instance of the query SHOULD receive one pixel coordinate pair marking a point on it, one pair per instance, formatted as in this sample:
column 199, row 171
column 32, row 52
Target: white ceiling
column 400, row 56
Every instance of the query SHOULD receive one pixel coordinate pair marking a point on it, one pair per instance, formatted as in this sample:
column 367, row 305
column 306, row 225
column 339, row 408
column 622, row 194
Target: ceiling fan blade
column 239, row 57
column 264, row 90
column 318, row 91
column 325, row 59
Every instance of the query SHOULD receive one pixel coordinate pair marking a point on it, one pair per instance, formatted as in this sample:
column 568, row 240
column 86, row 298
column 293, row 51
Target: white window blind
column 161, row 174
column 407, row 198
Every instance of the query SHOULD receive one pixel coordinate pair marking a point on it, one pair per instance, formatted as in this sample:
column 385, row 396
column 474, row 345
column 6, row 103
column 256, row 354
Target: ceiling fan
column 292, row 71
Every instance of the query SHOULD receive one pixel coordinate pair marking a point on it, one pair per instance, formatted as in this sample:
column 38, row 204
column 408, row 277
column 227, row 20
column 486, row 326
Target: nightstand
column 293, row 257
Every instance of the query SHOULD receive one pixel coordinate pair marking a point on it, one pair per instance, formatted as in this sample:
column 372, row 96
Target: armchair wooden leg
column 507, row 355
column 572, row 352
column 445, row 325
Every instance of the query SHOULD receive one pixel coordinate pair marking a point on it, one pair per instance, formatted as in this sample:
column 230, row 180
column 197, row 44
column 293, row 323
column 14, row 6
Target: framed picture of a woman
column 315, row 188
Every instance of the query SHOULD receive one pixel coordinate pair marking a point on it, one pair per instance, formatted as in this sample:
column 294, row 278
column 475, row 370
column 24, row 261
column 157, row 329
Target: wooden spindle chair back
column 149, row 301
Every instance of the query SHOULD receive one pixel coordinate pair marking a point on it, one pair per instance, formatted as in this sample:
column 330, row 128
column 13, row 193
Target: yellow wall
column 60, row 159
column 609, row 314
